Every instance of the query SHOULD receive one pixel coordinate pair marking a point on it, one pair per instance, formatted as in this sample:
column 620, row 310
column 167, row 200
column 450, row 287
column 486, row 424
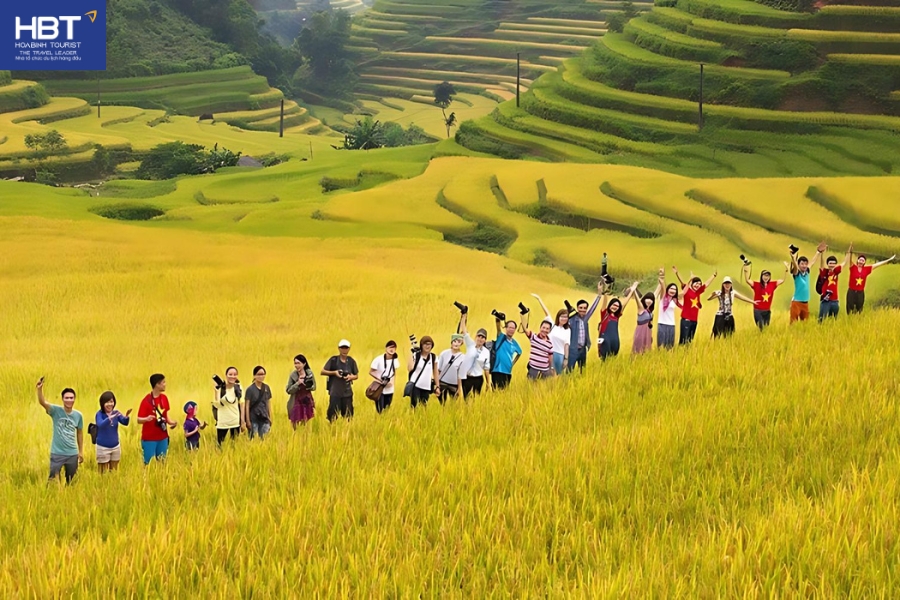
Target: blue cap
column 188, row 405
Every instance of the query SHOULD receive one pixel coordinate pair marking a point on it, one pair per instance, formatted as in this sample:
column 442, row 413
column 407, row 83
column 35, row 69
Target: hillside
column 794, row 93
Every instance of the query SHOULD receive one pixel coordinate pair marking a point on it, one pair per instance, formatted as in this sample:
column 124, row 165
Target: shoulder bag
column 408, row 388
column 376, row 388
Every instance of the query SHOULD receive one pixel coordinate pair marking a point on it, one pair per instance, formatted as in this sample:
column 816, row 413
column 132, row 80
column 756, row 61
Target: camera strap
column 387, row 374
column 449, row 364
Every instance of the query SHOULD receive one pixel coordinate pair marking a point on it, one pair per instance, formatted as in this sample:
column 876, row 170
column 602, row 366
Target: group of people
column 467, row 368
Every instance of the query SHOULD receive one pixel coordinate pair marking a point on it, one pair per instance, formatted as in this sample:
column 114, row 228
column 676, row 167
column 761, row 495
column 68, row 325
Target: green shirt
column 64, row 427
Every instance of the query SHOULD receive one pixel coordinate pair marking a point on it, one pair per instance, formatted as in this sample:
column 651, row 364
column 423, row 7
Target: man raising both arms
column 507, row 352
column 800, row 272
column 829, row 305
column 859, row 273
column 579, row 328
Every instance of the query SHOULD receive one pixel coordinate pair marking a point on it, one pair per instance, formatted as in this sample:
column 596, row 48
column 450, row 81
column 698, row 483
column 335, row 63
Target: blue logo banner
column 53, row 35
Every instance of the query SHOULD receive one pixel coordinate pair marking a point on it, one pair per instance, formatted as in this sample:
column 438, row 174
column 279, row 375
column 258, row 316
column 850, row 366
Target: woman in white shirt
column 423, row 372
column 477, row 362
column 724, row 324
column 560, row 336
column 384, row 368
column 668, row 301
column 450, row 373
column 228, row 407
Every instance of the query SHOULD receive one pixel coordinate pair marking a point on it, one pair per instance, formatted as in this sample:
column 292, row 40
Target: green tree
column 177, row 158
column 323, row 46
column 365, row 135
column 44, row 144
column 443, row 97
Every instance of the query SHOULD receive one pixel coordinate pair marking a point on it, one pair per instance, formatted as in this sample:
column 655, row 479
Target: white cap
column 343, row 344
column 726, row 280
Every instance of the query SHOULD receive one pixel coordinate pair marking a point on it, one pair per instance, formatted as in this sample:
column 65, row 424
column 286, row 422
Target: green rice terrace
column 786, row 93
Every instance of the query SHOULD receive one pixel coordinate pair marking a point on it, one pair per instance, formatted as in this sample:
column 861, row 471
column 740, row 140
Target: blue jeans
column 577, row 356
column 158, row 449
column 829, row 309
column 688, row 329
column 559, row 364
column 260, row 428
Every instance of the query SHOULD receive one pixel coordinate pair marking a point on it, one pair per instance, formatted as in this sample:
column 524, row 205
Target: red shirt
column 764, row 293
column 831, row 283
column 858, row 277
column 152, row 432
column 690, row 303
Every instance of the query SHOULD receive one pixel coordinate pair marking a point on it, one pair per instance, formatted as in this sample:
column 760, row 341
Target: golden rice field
column 765, row 465
column 761, row 466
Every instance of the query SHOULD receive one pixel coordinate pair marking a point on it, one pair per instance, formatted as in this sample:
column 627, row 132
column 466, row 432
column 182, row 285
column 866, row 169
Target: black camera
column 826, row 297
column 463, row 309
column 604, row 271
column 746, row 262
column 523, row 310
column 413, row 343
column 218, row 381
column 341, row 373
column 569, row 307
column 498, row 315
column 161, row 423
column 794, row 249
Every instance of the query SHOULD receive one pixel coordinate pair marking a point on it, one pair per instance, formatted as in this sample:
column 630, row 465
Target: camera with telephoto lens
column 569, row 307
column 523, row 310
column 498, row 315
column 746, row 262
column 413, row 343
column 218, row 381
column 794, row 249
column 604, row 271
column 463, row 309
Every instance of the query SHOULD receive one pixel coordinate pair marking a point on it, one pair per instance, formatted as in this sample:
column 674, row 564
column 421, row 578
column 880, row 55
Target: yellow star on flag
column 695, row 303
column 832, row 279
column 766, row 297
column 859, row 281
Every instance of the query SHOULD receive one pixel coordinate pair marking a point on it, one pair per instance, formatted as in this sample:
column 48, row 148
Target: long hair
column 649, row 296
column 618, row 313
column 560, row 314
column 666, row 299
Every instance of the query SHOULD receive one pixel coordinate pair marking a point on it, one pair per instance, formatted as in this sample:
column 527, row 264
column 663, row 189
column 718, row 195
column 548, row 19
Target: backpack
column 492, row 348
column 820, row 283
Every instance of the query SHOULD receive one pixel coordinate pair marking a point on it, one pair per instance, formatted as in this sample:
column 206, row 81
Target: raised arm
column 677, row 276
column 543, row 306
column 787, row 269
column 847, row 257
column 884, row 262
column 497, row 323
column 794, row 267
column 712, row 278
column 601, row 293
column 40, row 395
column 463, row 323
column 748, row 275
column 632, row 291
column 660, row 285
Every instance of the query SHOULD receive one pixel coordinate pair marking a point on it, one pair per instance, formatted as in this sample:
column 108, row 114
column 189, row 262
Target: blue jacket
column 108, row 429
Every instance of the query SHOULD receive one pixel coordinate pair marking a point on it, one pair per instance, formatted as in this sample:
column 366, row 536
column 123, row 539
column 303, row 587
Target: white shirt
column 561, row 337
column 426, row 378
column 451, row 373
column 667, row 316
column 478, row 360
column 386, row 371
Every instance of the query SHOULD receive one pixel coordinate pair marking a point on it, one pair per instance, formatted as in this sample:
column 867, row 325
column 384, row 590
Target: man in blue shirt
column 579, row 330
column 506, row 353
column 66, row 449
column 800, row 271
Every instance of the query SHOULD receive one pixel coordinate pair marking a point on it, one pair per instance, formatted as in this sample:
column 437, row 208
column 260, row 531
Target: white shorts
column 105, row 455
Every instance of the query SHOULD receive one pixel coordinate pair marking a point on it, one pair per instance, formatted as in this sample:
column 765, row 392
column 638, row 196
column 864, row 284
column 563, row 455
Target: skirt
column 643, row 339
column 303, row 408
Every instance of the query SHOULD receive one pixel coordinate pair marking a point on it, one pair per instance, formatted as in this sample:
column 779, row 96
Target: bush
column 783, row 55
column 484, row 237
column 177, row 158
column 470, row 136
column 891, row 300
column 128, row 212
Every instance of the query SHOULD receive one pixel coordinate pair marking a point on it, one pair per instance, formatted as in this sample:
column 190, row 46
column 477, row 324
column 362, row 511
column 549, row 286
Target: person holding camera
column 477, row 362
column 450, row 370
column 608, row 342
column 423, row 371
column 153, row 416
column 108, row 419
column 827, row 286
column 228, row 406
column 301, row 384
column 580, row 327
column 859, row 273
column 384, row 369
column 724, row 323
column 691, row 305
column 800, row 272
column 67, row 446
column 341, row 371
column 763, row 293
column 506, row 352
column 258, row 405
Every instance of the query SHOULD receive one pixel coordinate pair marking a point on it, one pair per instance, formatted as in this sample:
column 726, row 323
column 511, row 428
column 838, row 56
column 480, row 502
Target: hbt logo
column 47, row 28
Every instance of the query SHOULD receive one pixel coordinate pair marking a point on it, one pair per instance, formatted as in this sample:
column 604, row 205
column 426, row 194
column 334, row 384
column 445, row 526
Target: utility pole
column 700, row 120
column 518, row 73
column 281, row 122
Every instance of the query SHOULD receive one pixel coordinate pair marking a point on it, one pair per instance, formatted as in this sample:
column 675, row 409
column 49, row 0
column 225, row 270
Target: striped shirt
column 541, row 353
